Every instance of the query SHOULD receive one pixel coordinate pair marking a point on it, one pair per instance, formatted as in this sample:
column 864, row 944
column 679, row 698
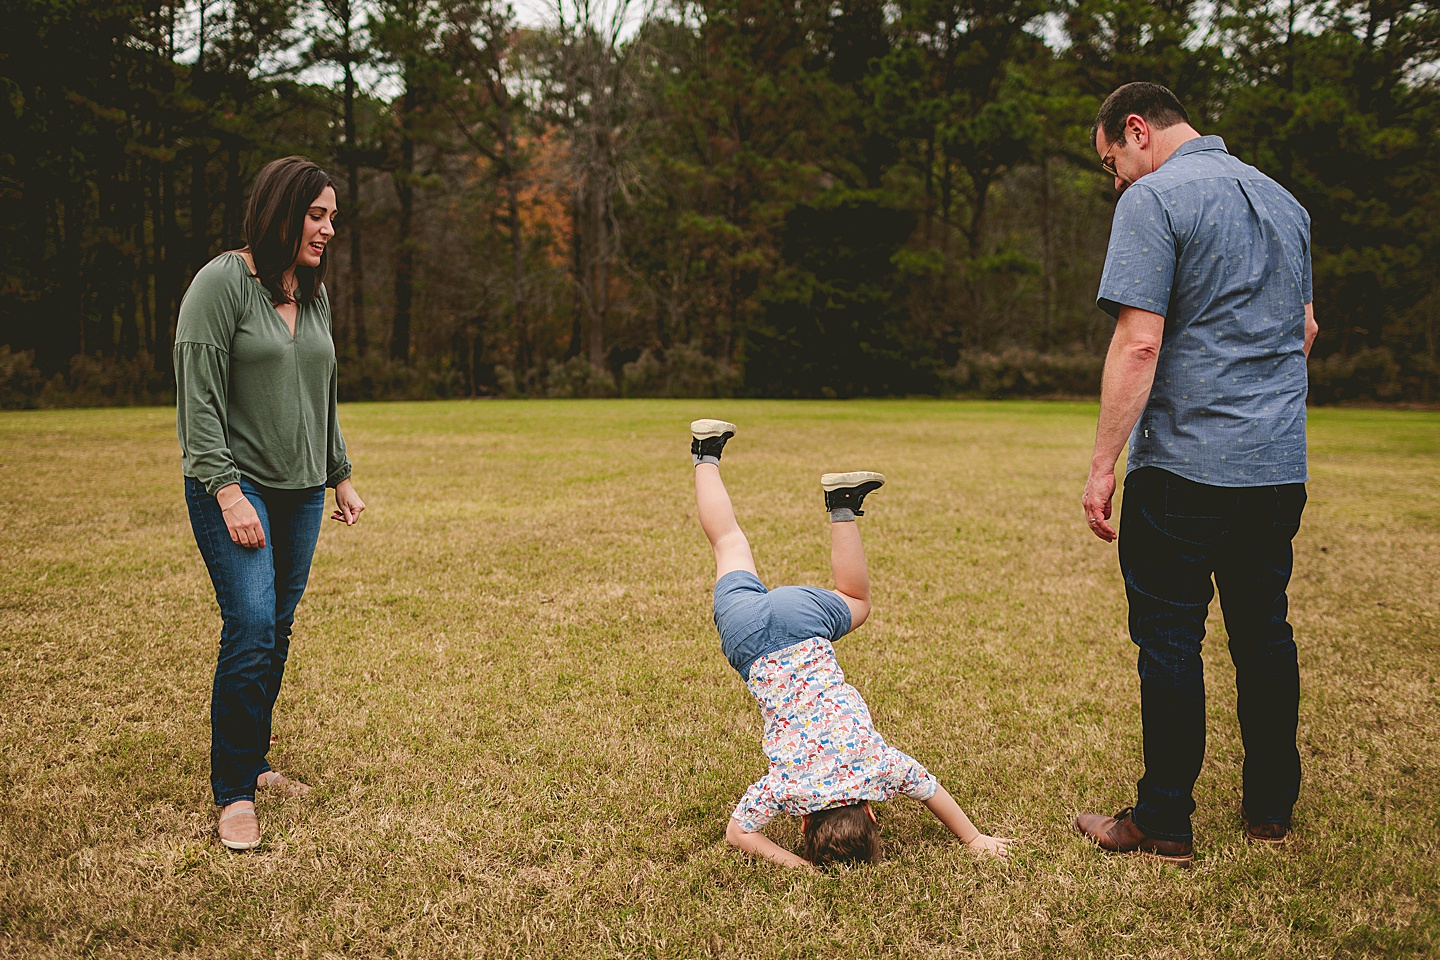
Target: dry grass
column 525, row 742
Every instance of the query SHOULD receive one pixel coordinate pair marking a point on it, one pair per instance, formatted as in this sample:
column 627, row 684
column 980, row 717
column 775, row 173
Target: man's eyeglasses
column 1107, row 163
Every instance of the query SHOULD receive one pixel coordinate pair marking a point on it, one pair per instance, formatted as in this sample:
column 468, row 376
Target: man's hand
column 1097, row 501
column 1124, row 389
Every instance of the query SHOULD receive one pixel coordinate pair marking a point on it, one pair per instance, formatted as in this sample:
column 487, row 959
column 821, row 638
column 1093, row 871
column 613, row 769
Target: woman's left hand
column 348, row 505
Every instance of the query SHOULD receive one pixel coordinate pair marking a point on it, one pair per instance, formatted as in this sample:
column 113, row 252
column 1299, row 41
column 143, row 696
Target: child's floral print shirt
column 823, row 747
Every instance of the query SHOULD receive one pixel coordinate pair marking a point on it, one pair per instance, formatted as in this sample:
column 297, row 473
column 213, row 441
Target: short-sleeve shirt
column 1222, row 252
column 822, row 746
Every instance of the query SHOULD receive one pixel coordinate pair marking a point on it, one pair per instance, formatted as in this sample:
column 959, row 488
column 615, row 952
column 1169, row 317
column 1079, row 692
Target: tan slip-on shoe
column 277, row 784
column 239, row 829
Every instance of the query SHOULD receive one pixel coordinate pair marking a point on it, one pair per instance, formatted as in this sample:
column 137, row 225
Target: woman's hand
column 348, row 505
column 241, row 520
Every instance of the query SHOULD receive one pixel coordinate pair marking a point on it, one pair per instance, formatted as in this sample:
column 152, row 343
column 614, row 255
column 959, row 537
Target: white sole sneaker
column 705, row 429
column 837, row 481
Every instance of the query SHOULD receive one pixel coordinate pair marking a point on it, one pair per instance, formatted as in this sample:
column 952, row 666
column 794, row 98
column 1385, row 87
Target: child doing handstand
column 827, row 762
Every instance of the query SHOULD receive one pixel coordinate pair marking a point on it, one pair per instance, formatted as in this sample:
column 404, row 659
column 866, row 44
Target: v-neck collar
column 274, row 309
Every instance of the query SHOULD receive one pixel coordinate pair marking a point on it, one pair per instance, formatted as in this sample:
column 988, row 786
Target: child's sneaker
column 707, row 438
column 847, row 490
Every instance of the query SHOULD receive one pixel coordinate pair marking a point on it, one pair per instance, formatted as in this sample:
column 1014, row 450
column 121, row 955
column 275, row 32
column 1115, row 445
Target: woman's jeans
column 257, row 590
column 1176, row 534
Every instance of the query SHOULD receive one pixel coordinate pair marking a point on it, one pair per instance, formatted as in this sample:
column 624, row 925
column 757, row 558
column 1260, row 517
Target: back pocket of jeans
column 1290, row 502
column 1194, row 512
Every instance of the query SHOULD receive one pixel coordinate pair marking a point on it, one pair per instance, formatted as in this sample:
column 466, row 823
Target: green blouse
column 251, row 399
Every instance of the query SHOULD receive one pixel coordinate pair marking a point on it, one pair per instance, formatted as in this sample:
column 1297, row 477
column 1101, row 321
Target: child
column 827, row 763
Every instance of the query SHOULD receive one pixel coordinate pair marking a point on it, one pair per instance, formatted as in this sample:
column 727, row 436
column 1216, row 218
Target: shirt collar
column 1198, row 144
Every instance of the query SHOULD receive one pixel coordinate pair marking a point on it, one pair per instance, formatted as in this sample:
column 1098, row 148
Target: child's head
column 845, row 834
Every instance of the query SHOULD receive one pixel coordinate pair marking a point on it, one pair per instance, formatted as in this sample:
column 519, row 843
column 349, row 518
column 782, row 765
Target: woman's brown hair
column 845, row 834
column 274, row 223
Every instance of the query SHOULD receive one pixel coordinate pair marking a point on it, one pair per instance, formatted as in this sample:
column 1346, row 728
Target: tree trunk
column 1047, row 247
column 404, row 258
column 352, row 196
column 405, row 245
column 517, row 252
column 168, row 244
column 234, row 197
column 598, row 300
column 975, row 246
column 199, row 244
column 70, row 294
column 577, row 268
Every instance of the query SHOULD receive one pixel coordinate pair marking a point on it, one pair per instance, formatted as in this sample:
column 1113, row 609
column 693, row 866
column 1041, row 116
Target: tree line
column 692, row 197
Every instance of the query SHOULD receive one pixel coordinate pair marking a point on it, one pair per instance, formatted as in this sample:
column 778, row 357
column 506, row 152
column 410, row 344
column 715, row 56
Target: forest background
column 708, row 198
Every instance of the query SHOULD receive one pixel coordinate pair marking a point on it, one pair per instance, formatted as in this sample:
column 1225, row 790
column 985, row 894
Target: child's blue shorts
column 754, row 621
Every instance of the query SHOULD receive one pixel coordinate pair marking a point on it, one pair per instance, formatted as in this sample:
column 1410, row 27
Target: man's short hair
column 842, row 835
column 1156, row 104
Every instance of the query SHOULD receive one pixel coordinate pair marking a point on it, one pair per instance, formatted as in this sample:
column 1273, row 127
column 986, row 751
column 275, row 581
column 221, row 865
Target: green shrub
column 20, row 379
column 1370, row 374
column 577, row 378
column 377, row 377
column 1018, row 372
column 108, row 382
column 681, row 371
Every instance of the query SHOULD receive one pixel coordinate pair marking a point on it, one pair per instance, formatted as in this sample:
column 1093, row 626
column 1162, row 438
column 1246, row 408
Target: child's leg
column 852, row 576
column 844, row 493
column 712, row 500
column 717, row 518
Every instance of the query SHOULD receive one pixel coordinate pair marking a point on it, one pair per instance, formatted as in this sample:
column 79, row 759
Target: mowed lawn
column 507, row 691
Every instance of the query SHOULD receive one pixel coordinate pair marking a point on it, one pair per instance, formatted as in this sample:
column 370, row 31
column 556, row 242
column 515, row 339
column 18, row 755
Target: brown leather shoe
column 1119, row 834
column 1274, row 834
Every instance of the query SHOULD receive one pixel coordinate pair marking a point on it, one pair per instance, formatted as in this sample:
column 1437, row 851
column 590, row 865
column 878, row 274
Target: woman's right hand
column 240, row 517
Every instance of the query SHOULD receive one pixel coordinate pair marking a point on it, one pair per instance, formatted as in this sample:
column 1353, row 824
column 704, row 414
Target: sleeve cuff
column 214, row 484
column 1113, row 306
column 746, row 817
column 339, row 475
column 927, row 788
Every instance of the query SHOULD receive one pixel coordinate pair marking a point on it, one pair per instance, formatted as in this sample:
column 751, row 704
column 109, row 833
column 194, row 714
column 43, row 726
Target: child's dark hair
column 845, row 835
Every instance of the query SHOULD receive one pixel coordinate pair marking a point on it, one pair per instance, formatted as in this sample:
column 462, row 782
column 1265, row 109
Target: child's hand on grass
column 991, row 846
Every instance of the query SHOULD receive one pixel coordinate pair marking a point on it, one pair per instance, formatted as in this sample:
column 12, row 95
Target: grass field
column 525, row 742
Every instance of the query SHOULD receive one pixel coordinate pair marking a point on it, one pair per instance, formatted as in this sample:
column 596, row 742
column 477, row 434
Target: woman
column 260, row 441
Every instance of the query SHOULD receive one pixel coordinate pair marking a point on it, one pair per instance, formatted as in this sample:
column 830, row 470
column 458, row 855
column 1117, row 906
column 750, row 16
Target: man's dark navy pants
column 1179, row 540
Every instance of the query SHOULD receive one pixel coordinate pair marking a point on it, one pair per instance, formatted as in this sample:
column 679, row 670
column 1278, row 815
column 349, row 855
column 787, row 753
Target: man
column 1208, row 278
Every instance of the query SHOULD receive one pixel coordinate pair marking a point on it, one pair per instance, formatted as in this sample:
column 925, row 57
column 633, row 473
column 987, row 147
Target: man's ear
column 1137, row 129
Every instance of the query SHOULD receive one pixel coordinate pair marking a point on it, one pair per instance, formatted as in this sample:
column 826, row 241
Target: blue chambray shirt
column 1223, row 253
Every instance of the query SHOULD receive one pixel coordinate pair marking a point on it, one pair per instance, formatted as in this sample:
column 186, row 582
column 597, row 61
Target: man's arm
column 1311, row 328
column 1124, row 391
column 948, row 812
column 759, row 845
